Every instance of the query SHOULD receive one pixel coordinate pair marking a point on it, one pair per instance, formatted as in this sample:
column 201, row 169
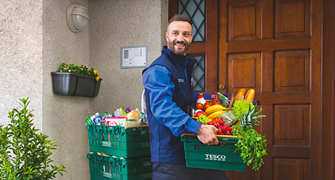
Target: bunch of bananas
column 215, row 111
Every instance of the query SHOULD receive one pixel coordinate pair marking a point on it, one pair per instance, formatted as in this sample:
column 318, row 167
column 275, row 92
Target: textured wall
column 35, row 39
column 21, row 57
column 115, row 24
column 64, row 116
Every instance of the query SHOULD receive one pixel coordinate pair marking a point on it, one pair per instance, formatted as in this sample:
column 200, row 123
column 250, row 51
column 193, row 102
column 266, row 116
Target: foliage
column 24, row 153
column 250, row 142
column 82, row 70
column 252, row 145
column 250, row 117
column 241, row 107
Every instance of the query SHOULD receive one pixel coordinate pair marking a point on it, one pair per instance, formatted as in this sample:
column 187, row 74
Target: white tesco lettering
column 214, row 157
column 106, row 143
column 147, row 144
column 106, row 174
column 146, row 176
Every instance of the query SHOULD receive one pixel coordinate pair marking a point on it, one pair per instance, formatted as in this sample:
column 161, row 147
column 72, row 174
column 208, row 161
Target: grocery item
column 230, row 117
column 201, row 99
column 214, row 108
column 250, row 95
column 240, row 94
column 97, row 119
column 89, row 120
column 215, row 114
column 120, row 112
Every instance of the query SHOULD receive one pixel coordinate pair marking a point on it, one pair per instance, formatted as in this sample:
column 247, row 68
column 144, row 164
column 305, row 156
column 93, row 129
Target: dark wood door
column 274, row 47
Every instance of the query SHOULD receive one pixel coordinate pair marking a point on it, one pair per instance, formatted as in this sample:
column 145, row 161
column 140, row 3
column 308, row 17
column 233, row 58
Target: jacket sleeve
column 159, row 86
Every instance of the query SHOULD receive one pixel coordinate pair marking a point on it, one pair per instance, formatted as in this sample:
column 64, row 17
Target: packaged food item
column 124, row 122
column 112, row 120
column 127, row 110
column 230, row 117
column 120, row 112
column 97, row 119
column 201, row 99
column 89, row 120
column 132, row 115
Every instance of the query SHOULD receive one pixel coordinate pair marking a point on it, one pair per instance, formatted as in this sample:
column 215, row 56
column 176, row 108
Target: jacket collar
column 178, row 59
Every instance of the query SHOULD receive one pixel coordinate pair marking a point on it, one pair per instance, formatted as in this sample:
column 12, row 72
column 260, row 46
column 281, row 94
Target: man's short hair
column 180, row 17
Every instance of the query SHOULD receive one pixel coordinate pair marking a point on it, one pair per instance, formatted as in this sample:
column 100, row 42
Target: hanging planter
column 71, row 80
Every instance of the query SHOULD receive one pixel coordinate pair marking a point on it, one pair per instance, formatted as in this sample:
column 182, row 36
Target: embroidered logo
column 180, row 80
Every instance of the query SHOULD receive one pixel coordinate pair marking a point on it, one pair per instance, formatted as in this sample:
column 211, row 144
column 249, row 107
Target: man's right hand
column 207, row 134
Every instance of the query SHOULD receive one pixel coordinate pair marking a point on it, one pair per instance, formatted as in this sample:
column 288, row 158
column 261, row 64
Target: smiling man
column 169, row 98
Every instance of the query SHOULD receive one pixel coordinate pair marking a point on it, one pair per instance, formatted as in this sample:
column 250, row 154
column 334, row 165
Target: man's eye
column 175, row 33
column 186, row 35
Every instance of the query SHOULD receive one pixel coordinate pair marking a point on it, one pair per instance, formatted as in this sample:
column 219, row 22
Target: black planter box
column 70, row 84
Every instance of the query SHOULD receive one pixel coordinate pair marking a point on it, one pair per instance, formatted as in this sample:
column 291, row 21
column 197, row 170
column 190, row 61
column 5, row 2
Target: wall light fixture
column 76, row 17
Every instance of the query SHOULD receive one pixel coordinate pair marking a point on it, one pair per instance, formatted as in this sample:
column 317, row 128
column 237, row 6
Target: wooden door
column 274, row 47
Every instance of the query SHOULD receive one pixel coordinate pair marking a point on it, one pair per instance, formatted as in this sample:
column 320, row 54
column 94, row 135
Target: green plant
column 25, row 153
column 252, row 145
column 250, row 142
column 82, row 70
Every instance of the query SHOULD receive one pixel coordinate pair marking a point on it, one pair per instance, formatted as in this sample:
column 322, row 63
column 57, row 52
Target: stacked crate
column 118, row 152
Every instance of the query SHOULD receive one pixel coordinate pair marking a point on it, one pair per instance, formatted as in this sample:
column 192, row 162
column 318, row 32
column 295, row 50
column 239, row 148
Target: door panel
column 292, row 18
column 244, row 71
column 244, row 21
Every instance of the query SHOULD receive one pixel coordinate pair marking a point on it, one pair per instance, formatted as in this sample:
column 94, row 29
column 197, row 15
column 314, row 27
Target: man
column 169, row 96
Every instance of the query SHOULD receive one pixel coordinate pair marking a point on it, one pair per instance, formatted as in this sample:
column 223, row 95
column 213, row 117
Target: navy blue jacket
column 168, row 92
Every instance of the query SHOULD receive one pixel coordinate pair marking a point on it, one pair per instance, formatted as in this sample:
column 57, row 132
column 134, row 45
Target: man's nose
column 180, row 38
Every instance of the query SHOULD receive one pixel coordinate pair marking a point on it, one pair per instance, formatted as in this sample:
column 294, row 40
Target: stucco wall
column 21, row 57
column 64, row 116
column 115, row 24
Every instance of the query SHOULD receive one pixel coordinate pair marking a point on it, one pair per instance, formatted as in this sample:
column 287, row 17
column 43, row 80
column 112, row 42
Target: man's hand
column 206, row 134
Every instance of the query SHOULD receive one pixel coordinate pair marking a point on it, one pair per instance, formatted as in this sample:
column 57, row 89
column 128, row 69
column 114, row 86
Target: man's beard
column 176, row 51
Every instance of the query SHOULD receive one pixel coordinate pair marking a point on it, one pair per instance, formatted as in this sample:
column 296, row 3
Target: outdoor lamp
column 76, row 17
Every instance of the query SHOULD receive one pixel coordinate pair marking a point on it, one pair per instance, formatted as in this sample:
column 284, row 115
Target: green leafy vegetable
column 250, row 142
column 241, row 107
column 252, row 145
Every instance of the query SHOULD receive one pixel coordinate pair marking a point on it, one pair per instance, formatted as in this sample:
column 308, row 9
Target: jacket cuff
column 193, row 126
column 207, row 96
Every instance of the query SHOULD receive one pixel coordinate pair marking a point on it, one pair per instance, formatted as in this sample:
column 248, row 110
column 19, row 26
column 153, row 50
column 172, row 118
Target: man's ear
column 166, row 36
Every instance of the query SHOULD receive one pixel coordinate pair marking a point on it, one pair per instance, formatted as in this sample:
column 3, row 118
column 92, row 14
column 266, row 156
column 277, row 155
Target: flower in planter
column 82, row 70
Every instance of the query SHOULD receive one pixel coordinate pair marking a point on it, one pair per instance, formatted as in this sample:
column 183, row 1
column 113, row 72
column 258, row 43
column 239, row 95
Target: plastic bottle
column 97, row 119
column 201, row 99
column 89, row 120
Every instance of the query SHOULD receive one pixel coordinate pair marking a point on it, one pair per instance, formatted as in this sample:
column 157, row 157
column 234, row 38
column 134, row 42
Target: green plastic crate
column 220, row 157
column 119, row 141
column 103, row 167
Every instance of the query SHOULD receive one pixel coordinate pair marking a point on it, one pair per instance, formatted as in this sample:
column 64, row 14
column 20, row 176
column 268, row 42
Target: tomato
column 216, row 102
column 199, row 106
column 199, row 113
column 206, row 106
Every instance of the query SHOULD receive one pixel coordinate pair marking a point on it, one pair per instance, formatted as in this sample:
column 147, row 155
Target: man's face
column 179, row 37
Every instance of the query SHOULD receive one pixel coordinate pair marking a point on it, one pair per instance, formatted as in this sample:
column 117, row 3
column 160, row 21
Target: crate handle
column 117, row 130
column 117, row 162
